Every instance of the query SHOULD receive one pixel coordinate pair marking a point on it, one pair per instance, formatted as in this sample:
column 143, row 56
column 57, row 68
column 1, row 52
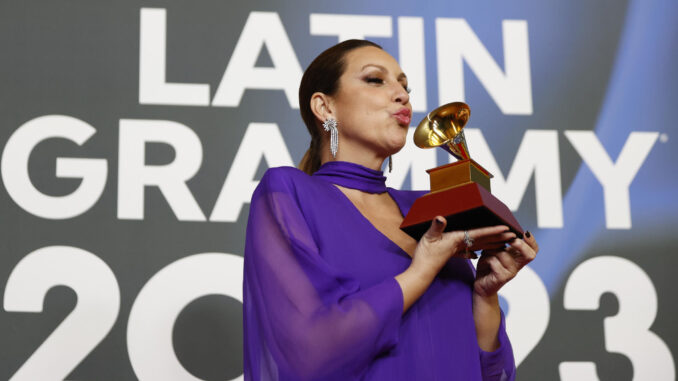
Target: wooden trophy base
column 461, row 193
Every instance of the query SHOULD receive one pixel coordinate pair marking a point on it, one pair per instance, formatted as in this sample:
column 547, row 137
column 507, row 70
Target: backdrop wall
column 133, row 134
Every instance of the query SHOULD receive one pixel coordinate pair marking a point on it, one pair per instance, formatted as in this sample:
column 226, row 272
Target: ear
column 322, row 106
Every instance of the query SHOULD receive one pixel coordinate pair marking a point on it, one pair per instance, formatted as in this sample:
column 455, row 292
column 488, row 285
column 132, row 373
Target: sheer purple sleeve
column 499, row 365
column 302, row 320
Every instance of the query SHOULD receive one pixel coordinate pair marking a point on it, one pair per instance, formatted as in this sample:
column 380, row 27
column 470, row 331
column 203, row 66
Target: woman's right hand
column 436, row 247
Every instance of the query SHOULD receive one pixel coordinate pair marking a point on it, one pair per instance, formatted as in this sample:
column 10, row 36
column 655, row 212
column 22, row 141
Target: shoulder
column 285, row 174
column 282, row 179
column 406, row 194
column 285, row 191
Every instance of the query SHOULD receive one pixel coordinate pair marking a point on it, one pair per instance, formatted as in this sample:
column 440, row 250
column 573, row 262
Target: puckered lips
column 403, row 116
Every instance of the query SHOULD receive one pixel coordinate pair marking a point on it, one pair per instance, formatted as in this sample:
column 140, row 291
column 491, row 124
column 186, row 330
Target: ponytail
column 311, row 160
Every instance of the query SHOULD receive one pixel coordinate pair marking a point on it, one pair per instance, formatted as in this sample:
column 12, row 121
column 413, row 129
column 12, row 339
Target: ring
column 467, row 239
column 469, row 242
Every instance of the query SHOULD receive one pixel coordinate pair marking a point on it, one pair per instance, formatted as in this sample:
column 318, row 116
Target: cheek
column 403, row 137
column 397, row 138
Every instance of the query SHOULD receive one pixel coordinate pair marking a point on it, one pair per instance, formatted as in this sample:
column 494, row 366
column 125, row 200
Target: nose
column 401, row 95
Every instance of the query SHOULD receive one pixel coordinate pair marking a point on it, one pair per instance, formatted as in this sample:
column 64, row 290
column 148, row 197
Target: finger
column 479, row 233
column 435, row 231
column 516, row 254
column 530, row 240
column 463, row 244
column 503, row 237
column 482, row 267
column 493, row 240
column 461, row 241
column 491, row 252
column 465, row 255
column 508, row 262
column 502, row 273
column 490, row 246
column 527, row 254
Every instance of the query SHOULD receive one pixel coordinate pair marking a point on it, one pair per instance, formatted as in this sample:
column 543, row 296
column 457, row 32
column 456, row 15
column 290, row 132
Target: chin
column 390, row 141
column 394, row 146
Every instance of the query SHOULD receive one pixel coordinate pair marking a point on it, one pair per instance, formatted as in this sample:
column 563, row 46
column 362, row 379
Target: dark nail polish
column 439, row 221
column 527, row 234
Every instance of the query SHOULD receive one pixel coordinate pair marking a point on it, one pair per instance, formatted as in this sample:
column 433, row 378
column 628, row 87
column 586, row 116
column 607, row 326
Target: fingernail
column 439, row 220
column 527, row 234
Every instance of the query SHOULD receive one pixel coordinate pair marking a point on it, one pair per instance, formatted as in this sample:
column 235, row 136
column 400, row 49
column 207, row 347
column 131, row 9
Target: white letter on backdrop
column 347, row 27
column 134, row 174
column 512, row 90
column 413, row 160
column 538, row 153
column 261, row 29
column 261, row 140
column 528, row 314
column 413, row 58
column 15, row 175
column 161, row 300
column 614, row 177
column 98, row 304
column 629, row 331
column 152, row 86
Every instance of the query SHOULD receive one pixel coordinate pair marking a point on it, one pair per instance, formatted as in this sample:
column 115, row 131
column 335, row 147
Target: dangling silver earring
column 390, row 164
column 331, row 126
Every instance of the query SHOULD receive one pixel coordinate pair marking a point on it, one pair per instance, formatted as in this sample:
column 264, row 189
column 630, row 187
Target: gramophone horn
column 443, row 127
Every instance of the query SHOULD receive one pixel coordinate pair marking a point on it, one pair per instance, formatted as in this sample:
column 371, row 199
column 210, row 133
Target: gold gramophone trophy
column 460, row 191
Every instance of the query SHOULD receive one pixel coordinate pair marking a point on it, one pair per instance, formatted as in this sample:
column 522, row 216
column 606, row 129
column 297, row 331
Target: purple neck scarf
column 354, row 176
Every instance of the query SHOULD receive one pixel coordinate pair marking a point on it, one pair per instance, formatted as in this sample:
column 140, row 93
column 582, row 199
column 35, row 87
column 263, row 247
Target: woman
column 333, row 289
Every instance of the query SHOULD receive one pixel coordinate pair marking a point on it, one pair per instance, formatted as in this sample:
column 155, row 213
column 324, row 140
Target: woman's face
column 372, row 104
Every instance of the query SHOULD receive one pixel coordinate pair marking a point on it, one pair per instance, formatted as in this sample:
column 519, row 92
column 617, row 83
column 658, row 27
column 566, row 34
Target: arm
column 495, row 268
column 302, row 319
column 487, row 317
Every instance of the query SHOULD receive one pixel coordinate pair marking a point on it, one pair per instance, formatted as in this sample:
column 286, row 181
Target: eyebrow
column 381, row 68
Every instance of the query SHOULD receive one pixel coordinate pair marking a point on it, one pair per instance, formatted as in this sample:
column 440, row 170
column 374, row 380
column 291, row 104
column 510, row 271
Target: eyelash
column 381, row 81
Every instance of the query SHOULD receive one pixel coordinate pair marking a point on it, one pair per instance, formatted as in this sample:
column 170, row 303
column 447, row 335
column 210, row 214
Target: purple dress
column 321, row 301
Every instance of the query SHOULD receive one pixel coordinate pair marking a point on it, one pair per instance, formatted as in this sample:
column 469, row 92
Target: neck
column 353, row 176
column 362, row 156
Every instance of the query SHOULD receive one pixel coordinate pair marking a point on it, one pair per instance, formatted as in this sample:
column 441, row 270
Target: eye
column 374, row 80
column 407, row 88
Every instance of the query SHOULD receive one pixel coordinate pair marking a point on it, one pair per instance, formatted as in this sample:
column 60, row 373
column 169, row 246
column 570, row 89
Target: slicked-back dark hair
column 322, row 75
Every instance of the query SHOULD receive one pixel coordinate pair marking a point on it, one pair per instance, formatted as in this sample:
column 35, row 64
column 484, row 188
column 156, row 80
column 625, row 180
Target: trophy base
column 465, row 207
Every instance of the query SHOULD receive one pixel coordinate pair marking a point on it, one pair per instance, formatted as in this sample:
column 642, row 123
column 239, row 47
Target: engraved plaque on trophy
column 460, row 191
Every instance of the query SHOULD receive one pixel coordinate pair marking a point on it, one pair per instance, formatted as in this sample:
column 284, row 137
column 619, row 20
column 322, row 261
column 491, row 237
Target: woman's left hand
column 498, row 266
